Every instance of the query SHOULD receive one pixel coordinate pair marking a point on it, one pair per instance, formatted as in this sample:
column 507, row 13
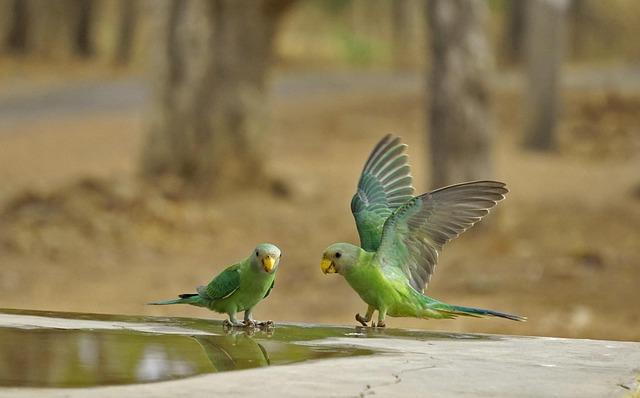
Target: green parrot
column 238, row 288
column 401, row 236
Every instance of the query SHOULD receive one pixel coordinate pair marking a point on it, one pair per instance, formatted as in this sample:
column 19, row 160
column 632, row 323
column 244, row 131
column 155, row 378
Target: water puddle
column 48, row 349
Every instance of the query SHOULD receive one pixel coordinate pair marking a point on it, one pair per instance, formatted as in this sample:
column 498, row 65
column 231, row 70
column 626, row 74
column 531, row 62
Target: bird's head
column 266, row 257
column 339, row 257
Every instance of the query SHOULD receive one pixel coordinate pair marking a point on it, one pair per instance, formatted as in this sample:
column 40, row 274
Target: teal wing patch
column 223, row 285
column 270, row 289
column 384, row 186
column 416, row 232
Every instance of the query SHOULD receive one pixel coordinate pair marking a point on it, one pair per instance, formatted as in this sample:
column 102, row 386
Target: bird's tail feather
column 189, row 298
column 455, row 310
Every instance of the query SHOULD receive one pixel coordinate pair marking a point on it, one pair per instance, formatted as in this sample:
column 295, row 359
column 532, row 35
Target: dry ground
column 77, row 234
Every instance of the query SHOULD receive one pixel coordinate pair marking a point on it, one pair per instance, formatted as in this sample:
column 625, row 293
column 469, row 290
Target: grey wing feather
column 384, row 185
column 416, row 232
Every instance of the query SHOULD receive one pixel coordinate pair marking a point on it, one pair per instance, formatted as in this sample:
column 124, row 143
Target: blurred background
column 144, row 145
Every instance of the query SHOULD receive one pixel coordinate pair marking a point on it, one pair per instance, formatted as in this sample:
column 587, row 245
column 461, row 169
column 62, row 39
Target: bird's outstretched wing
column 416, row 232
column 223, row 285
column 384, row 186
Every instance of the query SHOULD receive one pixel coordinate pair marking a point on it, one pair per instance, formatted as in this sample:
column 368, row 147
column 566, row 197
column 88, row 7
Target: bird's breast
column 371, row 286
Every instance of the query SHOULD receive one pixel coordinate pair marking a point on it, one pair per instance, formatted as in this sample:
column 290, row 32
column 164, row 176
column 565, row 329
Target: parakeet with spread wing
column 401, row 236
column 238, row 288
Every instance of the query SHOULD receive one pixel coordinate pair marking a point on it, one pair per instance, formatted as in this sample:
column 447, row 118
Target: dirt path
column 27, row 101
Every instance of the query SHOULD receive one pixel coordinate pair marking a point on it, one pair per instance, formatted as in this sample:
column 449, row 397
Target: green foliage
column 331, row 7
column 357, row 50
column 500, row 5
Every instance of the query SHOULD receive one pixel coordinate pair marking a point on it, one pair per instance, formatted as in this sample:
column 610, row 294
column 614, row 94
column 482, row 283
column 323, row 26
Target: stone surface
column 405, row 363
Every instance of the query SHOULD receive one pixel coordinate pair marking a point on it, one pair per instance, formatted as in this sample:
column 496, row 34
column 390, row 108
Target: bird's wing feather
column 223, row 285
column 416, row 232
column 270, row 288
column 384, row 185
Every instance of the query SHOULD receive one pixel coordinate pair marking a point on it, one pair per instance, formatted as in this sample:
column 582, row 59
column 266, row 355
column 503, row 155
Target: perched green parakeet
column 238, row 288
column 401, row 236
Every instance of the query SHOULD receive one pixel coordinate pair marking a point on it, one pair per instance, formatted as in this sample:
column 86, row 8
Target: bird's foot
column 264, row 324
column 362, row 320
column 228, row 324
column 253, row 324
column 380, row 324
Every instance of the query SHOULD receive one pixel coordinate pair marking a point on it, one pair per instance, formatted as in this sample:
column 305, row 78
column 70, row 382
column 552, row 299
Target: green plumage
column 238, row 288
column 385, row 185
column 233, row 351
column 402, row 235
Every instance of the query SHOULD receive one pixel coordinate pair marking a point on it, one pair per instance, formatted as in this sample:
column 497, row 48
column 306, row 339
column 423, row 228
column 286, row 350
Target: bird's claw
column 362, row 320
column 265, row 324
column 258, row 324
column 228, row 324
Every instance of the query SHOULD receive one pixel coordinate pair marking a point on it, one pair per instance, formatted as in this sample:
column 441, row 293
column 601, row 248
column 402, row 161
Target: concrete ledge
column 411, row 364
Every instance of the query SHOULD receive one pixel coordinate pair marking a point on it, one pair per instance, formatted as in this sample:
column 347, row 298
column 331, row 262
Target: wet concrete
column 130, row 356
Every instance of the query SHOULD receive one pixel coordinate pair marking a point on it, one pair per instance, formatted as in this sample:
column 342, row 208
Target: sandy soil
column 77, row 233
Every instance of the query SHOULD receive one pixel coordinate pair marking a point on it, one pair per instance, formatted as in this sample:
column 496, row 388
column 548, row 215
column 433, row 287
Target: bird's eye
column 257, row 255
column 338, row 254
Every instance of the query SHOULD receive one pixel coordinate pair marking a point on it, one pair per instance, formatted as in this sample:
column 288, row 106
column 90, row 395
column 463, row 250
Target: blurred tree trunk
column 581, row 15
column 13, row 22
column 128, row 11
column 461, row 134
column 116, row 31
column 545, row 47
column 58, row 29
column 370, row 18
column 49, row 30
column 81, row 34
column 401, row 23
column 405, row 32
column 515, row 32
column 209, row 110
column 6, row 22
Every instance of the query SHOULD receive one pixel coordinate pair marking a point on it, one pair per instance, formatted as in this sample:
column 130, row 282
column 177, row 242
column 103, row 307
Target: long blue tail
column 456, row 310
column 189, row 298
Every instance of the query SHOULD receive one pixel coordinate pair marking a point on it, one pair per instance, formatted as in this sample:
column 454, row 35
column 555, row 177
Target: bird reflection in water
column 236, row 350
column 73, row 358
column 46, row 357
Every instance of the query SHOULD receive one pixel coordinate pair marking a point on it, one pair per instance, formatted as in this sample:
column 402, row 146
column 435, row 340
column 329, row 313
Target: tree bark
column 117, row 30
column 461, row 133
column 209, row 117
column 581, row 18
column 58, row 29
column 82, row 27
column 515, row 31
column 405, row 32
column 128, row 11
column 13, row 23
column 545, row 47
